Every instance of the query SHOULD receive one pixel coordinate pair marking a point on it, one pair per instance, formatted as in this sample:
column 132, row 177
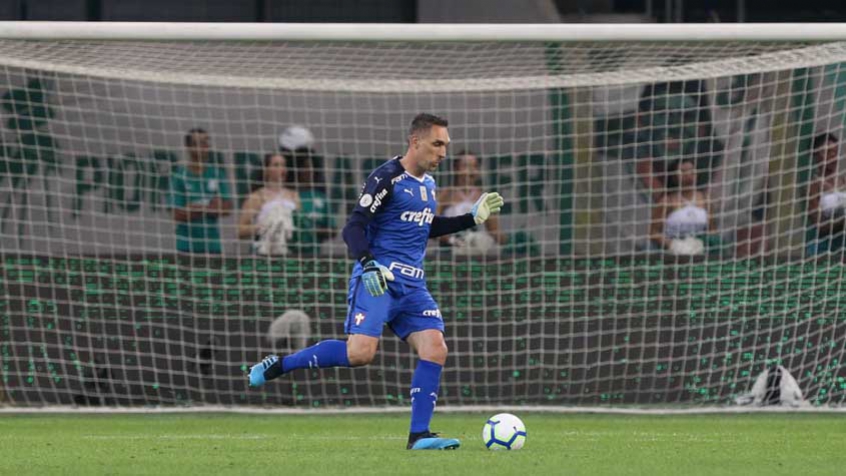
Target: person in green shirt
column 313, row 221
column 199, row 196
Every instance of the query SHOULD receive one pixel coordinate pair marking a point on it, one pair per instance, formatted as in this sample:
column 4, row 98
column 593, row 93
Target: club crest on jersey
column 365, row 200
column 359, row 318
column 421, row 217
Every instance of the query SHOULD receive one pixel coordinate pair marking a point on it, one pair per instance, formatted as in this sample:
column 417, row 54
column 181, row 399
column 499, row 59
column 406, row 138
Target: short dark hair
column 423, row 122
column 823, row 139
column 189, row 137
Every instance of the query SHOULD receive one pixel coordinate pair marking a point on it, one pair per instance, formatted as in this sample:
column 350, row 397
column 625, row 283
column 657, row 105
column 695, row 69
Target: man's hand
column 218, row 207
column 487, row 204
column 376, row 277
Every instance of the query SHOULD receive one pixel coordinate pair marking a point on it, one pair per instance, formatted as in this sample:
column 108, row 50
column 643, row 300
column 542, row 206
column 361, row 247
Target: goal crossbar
column 364, row 32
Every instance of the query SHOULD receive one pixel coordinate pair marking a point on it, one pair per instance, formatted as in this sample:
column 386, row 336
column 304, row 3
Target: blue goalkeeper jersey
column 400, row 209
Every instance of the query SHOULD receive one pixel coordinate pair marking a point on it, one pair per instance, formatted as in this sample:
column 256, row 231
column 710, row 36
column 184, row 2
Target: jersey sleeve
column 442, row 225
column 374, row 196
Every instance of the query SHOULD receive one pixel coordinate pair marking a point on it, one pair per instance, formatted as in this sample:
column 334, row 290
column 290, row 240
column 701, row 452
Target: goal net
column 673, row 223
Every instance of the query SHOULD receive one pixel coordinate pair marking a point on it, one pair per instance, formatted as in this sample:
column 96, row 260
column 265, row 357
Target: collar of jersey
column 407, row 173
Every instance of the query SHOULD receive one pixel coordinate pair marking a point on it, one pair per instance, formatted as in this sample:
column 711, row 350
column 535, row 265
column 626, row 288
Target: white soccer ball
column 504, row 432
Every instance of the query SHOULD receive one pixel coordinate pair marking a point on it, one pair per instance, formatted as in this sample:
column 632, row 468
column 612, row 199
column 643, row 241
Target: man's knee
column 434, row 352
column 361, row 351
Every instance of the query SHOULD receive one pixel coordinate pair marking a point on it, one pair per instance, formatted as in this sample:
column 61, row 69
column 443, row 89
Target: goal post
column 673, row 223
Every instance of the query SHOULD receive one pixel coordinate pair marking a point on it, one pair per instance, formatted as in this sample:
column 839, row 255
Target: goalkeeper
column 387, row 234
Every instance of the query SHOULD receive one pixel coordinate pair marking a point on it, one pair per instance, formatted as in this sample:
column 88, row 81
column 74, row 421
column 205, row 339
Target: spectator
column 681, row 218
column 267, row 215
column 673, row 122
column 199, row 196
column 314, row 223
column 827, row 196
column 459, row 198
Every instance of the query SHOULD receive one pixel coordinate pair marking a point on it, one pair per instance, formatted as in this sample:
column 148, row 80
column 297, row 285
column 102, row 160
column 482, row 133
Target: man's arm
column 192, row 212
column 442, row 225
column 182, row 212
column 485, row 206
column 196, row 211
column 355, row 236
column 221, row 205
column 375, row 193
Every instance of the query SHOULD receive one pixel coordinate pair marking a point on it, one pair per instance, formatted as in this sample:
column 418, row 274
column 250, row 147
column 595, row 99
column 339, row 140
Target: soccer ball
column 504, row 432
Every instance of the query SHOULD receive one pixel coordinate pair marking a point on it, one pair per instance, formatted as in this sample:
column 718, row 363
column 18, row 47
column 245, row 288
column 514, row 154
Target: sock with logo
column 424, row 394
column 327, row 353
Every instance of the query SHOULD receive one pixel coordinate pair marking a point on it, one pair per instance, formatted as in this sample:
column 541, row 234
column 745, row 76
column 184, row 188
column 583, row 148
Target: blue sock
column 424, row 394
column 327, row 353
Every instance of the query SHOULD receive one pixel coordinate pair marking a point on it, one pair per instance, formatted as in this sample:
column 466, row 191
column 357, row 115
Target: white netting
column 604, row 283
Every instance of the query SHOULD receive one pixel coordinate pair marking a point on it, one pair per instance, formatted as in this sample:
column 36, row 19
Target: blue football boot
column 259, row 373
column 431, row 441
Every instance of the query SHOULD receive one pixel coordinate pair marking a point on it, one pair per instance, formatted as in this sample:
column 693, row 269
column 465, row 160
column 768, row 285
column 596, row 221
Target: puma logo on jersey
column 421, row 217
column 408, row 191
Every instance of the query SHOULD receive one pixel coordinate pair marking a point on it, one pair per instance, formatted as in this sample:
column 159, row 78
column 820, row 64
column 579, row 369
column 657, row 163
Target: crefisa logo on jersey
column 367, row 200
column 377, row 202
column 432, row 313
column 421, row 217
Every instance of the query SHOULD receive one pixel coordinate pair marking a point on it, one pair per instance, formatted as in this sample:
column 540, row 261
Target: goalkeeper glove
column 486, row 204
column 376, row 277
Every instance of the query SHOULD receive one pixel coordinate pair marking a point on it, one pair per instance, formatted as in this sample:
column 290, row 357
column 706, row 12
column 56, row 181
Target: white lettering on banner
column 421, row 217
column 407, row 270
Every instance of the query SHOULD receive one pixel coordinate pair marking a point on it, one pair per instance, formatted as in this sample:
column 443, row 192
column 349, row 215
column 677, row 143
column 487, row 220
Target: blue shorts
column 403, row 308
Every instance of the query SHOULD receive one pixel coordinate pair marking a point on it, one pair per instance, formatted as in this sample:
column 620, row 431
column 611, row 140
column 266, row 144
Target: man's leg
column 365, row 318
column 431, row 348
column 432, row 351
column 358, row 350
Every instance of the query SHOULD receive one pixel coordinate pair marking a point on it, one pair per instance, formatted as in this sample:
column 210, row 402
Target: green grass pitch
column 558, row 444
